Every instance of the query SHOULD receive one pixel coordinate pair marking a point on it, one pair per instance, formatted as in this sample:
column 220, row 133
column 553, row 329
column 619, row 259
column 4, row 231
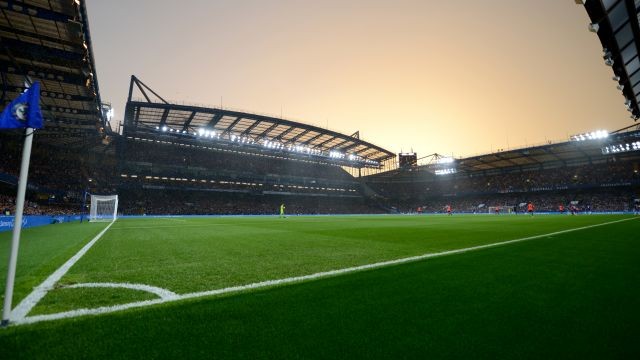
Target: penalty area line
column 295, row 279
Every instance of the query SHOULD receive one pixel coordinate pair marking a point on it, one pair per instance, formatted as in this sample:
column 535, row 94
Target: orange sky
column 453, row 77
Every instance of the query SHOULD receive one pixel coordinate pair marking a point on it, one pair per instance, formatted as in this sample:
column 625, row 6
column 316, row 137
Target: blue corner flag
column 24, row 111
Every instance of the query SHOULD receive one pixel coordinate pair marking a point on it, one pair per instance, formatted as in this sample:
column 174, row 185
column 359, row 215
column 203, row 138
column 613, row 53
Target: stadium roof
column 551, row 155
column 616, row 23
column 49, row 41
column 153, row 113
column 623, row 144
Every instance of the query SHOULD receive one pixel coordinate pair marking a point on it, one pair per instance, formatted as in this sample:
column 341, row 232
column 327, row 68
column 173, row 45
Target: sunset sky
column 453, row 77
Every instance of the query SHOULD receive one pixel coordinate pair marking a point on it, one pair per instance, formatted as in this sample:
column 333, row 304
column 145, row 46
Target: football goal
column 103, row 208
column 500, row 209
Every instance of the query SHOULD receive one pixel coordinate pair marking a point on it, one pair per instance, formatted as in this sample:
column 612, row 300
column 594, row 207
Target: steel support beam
column 230, row 127
column 313, row 139
column 165, row 114
column 295, row 138
column 268, row 130
column 215, row 119
column 248, row 130
column 188, row 121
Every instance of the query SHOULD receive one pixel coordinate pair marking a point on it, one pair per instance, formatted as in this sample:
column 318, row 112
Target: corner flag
column 24, row 111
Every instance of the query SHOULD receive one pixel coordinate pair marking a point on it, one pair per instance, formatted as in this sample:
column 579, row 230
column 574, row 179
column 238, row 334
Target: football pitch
column 328, row 287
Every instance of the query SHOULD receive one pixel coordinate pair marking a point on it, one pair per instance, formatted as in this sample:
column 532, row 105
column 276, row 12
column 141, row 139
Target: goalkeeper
column 282, row 210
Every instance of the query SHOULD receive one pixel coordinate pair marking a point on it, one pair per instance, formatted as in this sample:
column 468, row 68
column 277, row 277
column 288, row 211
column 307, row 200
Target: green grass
column 42, row 250
column 64, row 299
column 199, row 254
column 570, row 295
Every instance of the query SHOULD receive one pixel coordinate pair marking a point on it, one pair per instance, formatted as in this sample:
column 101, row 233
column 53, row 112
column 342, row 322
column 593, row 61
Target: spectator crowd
column 154, row 178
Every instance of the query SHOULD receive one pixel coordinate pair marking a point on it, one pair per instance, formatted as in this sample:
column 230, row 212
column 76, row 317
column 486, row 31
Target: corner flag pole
column 17, row 225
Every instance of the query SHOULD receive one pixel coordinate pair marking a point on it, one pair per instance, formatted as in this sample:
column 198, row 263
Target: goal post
column 103, row 208
column 500, row 209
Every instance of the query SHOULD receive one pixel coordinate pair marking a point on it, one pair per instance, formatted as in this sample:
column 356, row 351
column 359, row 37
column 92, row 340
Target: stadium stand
column 617, row 25
column 579, row 174
column 155, row 177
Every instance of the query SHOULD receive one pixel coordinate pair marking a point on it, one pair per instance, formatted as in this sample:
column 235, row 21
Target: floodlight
column 164, row 128
column 446, row 171
column 201, row 132
column 593, row 27
column 616, row 78
column 593, row 135
column 608, row 59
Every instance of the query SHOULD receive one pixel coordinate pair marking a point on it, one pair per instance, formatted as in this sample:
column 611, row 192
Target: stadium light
column 110, row 114
column 594, row 135
column 336, row 154
column 621, row 148
column 164, row 128
column 446, row 171
column 608, row 59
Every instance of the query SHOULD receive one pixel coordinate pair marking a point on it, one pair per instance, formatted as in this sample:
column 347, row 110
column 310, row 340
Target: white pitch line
column 160, row 292
column 25, row 306
column 268, row 283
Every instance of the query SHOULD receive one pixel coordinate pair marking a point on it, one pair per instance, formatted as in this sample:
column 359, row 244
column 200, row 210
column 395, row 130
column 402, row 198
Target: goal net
column 103, row 208
column 500, row 209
